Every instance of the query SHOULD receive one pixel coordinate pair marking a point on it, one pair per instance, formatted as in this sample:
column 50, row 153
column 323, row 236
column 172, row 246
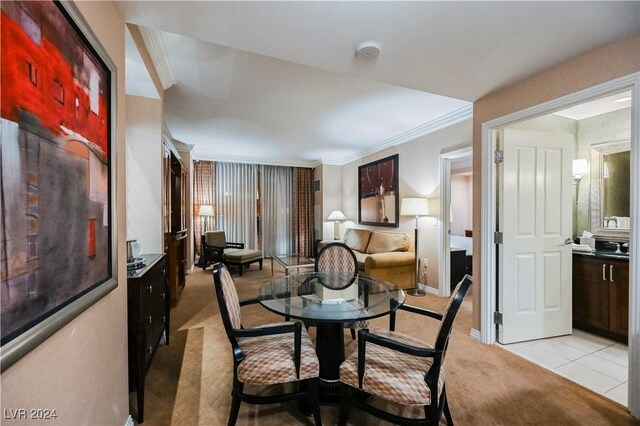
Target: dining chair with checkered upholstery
column 267, row 355
column 338, row 257
column 400, row 368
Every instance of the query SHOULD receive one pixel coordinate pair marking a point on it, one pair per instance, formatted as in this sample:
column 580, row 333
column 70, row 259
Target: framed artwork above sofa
column 378, row 198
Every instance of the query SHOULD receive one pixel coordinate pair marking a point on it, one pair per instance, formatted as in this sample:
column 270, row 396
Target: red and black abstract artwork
column 54, row 165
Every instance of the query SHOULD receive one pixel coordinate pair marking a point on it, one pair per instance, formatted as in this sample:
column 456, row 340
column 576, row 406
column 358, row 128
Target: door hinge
column 497, row 237
column 498, row 156
column 497, row 318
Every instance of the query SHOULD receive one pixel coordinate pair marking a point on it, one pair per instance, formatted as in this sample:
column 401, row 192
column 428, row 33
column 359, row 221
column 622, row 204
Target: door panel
column 535, row 187
column 552, row 278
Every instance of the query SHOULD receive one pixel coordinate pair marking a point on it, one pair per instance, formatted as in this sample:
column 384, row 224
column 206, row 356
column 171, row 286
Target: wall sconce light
column 580, row 168
column 337, row 216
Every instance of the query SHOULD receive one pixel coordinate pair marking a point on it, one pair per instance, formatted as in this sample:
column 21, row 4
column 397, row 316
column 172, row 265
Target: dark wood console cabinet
column 148, row 320
column 175, row 220
column 601, row 296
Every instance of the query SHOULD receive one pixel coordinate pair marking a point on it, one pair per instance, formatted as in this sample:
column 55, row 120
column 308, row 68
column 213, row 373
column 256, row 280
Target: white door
column 535, row 218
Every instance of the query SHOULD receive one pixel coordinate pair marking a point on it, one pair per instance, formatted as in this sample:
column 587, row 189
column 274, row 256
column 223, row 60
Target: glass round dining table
column 328, row 300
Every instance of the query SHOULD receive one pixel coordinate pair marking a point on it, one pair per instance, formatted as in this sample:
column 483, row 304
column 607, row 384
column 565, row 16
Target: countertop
column 148, row 260
column 604, row 254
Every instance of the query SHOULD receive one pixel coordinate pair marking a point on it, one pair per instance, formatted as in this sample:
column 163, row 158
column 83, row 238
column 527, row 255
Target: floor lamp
column 415, row 207
column 206, row 210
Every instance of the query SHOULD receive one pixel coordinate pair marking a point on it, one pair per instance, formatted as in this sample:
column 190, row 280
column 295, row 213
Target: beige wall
column 331, row 198
column 598, row 66
column 81, row 371
column 419, row 164
column 461, row 203
column 144, row 174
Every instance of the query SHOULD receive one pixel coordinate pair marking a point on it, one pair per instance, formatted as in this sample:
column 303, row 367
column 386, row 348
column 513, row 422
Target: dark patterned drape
column 204, row 184
column 303, row 229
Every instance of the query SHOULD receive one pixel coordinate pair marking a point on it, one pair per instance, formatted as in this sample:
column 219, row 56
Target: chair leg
column 345, row 395
column 353, row 333
column 260, row 263
column 447, row 412
column 235, row 402
column 240, row 268
column 314, row 400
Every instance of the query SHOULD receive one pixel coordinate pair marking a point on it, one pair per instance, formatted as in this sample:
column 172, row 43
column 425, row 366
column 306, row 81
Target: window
column 33, row 73
column 58, row 91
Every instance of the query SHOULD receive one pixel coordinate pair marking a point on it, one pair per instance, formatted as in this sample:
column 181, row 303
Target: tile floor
column 594, row 362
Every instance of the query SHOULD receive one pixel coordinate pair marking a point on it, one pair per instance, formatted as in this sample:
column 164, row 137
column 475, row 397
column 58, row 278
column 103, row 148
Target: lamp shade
column 205, row 210
column 414, row 207
column 580, row 167
column 337, row 215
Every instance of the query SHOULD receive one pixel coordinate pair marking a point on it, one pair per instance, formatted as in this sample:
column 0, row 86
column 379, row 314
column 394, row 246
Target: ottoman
column 243, row 257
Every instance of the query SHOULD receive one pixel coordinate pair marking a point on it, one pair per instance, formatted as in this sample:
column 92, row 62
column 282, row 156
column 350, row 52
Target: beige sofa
column 383, row 255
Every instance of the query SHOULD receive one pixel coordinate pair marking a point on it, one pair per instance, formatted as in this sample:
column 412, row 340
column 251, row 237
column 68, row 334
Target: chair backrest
column 215, row 239
column 227, row 299
column 446, row 324
column 336, row 257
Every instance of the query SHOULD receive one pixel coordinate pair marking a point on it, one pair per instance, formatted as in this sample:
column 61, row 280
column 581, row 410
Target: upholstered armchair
column 215, row 247
column 338, row 257
column 266, row 355
column 401, row 369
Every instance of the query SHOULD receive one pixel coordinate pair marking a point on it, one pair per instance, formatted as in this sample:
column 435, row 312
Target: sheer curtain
column 236, row 208
column 303, row 220
column 276, row 187
column 204, row 176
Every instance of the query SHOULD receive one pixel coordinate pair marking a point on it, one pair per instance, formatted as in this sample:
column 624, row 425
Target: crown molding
column 432, row 126
column 205, row 156
column 158, row 52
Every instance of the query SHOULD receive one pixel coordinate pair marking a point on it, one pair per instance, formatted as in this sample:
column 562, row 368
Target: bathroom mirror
column 610, row 190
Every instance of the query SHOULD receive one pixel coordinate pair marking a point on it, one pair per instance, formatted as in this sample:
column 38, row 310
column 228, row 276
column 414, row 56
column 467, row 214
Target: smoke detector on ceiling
column 368, row 50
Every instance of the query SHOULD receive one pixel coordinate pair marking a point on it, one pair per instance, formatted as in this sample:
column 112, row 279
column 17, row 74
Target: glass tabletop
column 330, row 296
column 294, row 260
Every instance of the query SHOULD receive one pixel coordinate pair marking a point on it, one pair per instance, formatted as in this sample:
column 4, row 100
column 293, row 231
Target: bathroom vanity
column 601, row 294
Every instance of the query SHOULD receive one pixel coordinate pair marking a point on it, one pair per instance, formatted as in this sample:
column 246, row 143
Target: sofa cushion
column 360, row 258
column 385, row 242
column 389, row 260
column 357, row 239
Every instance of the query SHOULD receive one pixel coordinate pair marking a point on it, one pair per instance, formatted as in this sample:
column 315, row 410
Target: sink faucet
column 618, row 249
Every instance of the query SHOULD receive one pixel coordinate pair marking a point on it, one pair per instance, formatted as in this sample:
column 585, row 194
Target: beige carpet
column 189, row 382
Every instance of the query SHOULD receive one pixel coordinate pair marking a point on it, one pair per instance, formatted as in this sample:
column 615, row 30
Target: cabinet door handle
column 611, row 273
column 604, row 272
column 150, row 288
column 149, row 319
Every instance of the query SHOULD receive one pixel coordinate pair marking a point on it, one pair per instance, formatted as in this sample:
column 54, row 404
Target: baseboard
column 431, row 290
column 475, row 334
column 129, row 421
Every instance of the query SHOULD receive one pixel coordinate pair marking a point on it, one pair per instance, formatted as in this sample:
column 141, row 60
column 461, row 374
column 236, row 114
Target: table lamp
column 337, row 216
column 415, row 207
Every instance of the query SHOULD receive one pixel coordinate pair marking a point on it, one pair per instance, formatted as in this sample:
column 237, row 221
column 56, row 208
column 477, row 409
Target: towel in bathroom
column 581, row 247
column 623, row 222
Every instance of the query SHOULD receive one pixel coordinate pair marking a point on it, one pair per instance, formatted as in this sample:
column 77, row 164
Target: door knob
column 568, row 241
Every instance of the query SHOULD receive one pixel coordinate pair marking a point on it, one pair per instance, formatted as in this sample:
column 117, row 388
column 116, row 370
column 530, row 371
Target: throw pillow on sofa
column 357, row 239
column 385, row 242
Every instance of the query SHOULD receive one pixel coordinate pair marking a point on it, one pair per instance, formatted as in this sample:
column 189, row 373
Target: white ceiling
column 278, row 82
column 597, row 106
column 137, row 79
